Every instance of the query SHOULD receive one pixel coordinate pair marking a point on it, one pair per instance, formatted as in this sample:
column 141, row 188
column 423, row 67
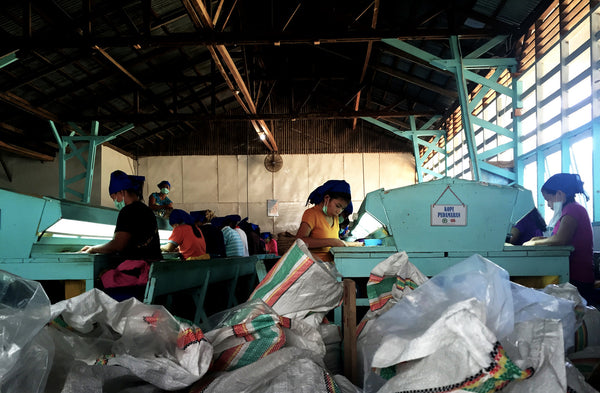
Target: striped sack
column 298, row 284
column 388, row 282
column 248, row 333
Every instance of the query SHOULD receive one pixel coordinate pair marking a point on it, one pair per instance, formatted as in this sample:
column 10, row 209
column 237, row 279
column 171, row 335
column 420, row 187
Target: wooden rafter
column 367, row 57
column 236, row 83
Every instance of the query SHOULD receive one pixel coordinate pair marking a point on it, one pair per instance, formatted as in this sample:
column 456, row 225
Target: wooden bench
column 193, row 277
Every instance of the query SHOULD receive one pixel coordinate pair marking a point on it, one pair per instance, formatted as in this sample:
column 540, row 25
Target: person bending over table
column 135, row 241
column 319, row 227
column 136, row 231
column 186, row 237
column 571, row 226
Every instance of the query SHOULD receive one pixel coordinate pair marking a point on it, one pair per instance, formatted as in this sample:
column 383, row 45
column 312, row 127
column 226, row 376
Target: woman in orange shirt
column 319, row 228
column 186, row 237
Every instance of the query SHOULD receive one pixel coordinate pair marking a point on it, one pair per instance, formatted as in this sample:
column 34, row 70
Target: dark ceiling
column 187, row 71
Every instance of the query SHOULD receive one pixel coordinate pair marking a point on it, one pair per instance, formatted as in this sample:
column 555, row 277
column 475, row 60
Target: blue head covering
column 218, row 221
column 162, row 183
column 330, row 186
column 569, row 183
column 120, row 181
column 232, row 217
column 199, row 215
column 179, row 216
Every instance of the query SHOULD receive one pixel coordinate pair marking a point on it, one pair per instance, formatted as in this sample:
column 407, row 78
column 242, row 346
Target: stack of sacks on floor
column 273, row 342
column 470, row 329
column 92, row 343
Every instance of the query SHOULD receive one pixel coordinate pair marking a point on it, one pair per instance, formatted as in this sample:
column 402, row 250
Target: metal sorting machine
column 442, row 222
column 41, row 237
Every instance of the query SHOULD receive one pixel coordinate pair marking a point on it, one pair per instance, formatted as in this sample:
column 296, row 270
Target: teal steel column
column 415, row 140
column 517, row 106
column 414, row 135
column 461, row 67
column 90, row 143
column 91, row 162
column 541, row 169
column 61, row 161
column 463, row 95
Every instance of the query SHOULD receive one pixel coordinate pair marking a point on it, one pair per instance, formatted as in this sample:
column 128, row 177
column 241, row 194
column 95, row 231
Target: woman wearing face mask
column 571, row 227
column 136, row 233
column 319, row 228
column 159, row 202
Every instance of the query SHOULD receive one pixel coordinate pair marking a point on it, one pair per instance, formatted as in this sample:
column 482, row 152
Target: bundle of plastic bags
column 469, row 328
column 91, row 343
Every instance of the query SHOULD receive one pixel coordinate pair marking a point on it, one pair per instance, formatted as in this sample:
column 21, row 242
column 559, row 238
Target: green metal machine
column 40, row 237
column 441, row 223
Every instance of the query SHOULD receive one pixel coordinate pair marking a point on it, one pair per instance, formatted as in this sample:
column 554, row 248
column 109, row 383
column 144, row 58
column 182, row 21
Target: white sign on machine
column 448, row 215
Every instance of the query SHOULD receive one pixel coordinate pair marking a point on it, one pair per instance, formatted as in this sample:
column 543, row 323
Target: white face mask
column 557, row 207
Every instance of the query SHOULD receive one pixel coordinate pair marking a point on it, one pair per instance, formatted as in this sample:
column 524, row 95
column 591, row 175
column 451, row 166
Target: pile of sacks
column 466, row 329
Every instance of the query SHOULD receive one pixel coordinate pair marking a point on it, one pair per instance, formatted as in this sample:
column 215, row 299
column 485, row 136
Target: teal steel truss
column 83, row 148
column 423, row 137
column 463, row 69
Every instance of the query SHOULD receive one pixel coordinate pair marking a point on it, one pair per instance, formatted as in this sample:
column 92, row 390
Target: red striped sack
column 246, row 334
column 388, row 282
column 298, row 284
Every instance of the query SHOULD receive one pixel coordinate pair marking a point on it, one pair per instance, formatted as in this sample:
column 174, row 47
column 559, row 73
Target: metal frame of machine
column 402, row 219
column 40, row 237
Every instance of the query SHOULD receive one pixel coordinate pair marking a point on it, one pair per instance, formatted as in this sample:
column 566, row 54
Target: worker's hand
column 87, row 249
column 534, row 241
column 354, row 244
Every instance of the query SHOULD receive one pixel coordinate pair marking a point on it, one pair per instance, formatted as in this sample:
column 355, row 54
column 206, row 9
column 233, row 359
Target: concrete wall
column 241, row 184
column 225, row 184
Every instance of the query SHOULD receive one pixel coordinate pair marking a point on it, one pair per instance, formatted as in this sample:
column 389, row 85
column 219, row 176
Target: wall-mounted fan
column 273, row 161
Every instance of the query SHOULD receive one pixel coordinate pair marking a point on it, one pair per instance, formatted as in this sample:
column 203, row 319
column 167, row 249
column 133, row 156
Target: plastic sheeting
column 450, row 332
column 92, row 343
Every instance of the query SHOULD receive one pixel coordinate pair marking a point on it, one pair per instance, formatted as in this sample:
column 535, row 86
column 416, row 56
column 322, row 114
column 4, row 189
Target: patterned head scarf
column 179, row 216
column 330, row 186
column 569, row 183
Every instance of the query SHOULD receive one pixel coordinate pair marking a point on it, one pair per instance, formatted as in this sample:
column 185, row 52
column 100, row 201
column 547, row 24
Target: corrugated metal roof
column 190, row 88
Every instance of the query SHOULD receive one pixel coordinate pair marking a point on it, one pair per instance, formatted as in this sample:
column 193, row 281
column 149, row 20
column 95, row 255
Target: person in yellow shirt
column 319, row 227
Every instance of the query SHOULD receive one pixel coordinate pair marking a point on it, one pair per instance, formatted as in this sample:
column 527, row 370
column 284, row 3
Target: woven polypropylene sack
column 245, row 334
column 388, row 282
column 298, row 284
column 95, row 334
column 287, row 370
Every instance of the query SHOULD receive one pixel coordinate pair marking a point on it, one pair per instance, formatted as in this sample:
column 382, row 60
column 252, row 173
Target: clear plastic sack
column 26, row 356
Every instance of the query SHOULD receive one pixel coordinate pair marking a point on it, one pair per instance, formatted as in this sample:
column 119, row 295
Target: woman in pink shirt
column 573, row 228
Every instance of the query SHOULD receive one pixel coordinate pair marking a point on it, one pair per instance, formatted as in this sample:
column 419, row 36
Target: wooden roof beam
column 194, row 117
column 208, row 37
